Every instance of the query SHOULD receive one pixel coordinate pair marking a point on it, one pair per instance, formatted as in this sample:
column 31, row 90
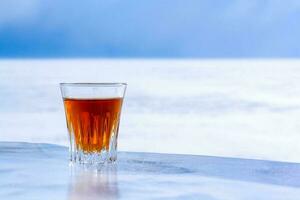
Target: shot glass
column 93, row 116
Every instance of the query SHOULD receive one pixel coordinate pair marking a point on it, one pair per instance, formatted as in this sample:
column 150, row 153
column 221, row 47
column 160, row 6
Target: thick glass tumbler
column 93, row 116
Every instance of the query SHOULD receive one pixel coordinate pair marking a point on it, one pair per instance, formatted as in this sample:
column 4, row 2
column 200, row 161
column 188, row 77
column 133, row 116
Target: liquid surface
column 93, row 122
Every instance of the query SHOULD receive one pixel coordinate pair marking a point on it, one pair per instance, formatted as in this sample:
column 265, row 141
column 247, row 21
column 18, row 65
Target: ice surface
column 237, row 108
column 41, row 171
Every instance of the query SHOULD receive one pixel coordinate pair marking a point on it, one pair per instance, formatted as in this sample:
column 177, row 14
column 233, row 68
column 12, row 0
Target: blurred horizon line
column 150, row 59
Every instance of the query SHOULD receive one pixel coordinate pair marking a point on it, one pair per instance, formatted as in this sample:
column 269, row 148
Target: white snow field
column 232, row 108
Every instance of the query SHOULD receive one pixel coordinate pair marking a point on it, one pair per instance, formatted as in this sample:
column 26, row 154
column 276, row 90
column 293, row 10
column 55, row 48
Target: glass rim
column 103, row 84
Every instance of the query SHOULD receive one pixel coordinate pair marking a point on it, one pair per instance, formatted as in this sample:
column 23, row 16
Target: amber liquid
column 93, row 122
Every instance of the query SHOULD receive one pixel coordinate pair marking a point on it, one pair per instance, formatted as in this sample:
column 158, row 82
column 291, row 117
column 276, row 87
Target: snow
column 233, row 108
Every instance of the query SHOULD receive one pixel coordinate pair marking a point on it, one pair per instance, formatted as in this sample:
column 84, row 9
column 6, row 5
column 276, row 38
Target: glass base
column 93, row 158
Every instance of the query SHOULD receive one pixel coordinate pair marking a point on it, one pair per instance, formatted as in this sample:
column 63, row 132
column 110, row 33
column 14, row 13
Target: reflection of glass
column 93, row 114
column 93, row 184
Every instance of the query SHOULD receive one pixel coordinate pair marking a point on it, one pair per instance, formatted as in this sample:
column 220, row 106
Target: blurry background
column 205, row 77
column 133, row 28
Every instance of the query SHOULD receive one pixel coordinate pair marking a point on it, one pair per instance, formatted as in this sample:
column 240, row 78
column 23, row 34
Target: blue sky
column 150, row 28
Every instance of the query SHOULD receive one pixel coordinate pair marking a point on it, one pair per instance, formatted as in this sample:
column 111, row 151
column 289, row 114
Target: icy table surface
column 42, row 171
